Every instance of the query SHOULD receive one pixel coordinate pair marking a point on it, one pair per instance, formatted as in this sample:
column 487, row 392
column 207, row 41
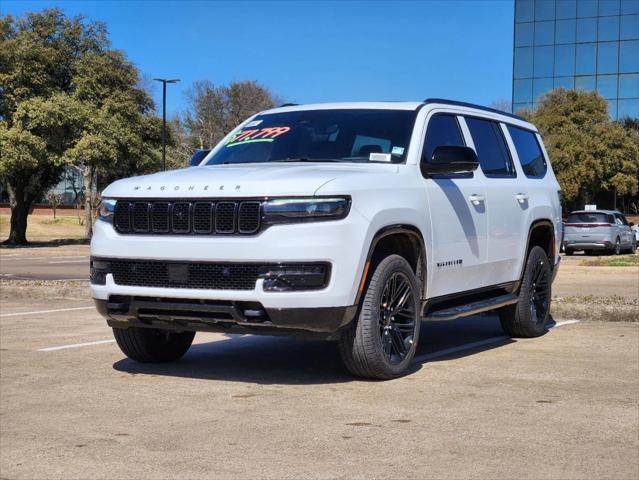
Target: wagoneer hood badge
column 248, row 180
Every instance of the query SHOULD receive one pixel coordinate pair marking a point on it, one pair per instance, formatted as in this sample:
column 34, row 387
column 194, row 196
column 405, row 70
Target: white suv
column 349, row 221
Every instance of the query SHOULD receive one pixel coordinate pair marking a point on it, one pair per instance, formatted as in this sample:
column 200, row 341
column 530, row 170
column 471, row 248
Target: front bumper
column 216, row 316
column 341, row 244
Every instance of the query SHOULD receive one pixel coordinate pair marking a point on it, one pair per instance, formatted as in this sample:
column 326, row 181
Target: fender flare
column 533, row 225
column 387, row 231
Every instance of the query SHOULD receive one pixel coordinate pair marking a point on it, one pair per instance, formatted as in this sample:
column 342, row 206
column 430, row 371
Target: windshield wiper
column 305, row 159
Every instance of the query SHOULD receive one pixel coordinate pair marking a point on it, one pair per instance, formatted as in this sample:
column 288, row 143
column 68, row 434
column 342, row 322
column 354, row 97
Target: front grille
column 214, row 276
column 185, row 217
column 210, row 275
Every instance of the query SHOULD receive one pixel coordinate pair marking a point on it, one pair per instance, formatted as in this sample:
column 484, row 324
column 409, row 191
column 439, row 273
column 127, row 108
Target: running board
column 447, row 312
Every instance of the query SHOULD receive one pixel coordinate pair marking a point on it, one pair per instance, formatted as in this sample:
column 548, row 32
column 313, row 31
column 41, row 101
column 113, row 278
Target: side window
column 621, row 220
column 532, row 159
column 442, row 130
column 491, row 148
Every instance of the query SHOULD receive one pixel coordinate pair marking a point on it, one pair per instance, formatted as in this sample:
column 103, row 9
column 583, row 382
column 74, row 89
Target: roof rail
column 289, row 105
column 472, row 105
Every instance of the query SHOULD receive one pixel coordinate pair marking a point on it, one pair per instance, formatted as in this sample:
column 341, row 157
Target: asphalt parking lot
column 46, row 263
column 477, row 404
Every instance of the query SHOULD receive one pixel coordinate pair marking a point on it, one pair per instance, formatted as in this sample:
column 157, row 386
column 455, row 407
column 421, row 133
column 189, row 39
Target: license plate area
column 178, row 273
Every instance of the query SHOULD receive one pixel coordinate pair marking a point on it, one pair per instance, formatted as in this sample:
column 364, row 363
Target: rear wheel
column 151, row 345
column 381, row 342
column 617, row 248
column 528, row 317
column 569, row 251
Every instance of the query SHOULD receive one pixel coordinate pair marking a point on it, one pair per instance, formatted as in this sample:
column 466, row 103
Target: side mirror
column 451, row 159
column 197, row 157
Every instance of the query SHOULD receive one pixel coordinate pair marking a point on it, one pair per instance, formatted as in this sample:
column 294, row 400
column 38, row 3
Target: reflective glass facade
column 582, row 44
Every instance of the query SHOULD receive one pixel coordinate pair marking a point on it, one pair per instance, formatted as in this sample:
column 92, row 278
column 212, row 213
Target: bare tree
column 54, row 199
column 215, row 110
column 502, row 104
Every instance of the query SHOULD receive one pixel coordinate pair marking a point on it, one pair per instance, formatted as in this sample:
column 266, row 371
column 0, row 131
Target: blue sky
column 308, row 51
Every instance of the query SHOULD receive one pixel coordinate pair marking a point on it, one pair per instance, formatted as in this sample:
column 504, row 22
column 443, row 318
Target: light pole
column 164, row 82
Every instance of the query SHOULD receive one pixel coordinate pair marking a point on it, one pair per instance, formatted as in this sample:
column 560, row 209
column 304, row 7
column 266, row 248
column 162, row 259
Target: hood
column 244, row 180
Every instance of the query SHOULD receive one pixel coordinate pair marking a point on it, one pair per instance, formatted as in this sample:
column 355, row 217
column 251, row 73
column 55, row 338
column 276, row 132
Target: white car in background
column 598, row 230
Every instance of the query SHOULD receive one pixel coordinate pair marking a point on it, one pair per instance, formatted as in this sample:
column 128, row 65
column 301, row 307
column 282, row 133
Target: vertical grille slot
column 122, row 217
column 140, row 217
column 181, row 217
column 160, row 217
column 203, row 217
column 225, row 217
column 249, row 217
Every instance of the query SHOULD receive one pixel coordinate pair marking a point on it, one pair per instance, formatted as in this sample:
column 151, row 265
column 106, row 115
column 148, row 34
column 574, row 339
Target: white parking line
column 37, row 312
column 481, row 343
column 419, row 358
column 70, row 261
column 75, row 345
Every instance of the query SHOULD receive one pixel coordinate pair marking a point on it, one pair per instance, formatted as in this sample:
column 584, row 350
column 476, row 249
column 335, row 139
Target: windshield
column 321, row 136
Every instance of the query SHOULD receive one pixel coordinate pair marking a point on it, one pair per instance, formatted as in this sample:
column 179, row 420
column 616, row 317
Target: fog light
column 295, row 277
column 99, row 270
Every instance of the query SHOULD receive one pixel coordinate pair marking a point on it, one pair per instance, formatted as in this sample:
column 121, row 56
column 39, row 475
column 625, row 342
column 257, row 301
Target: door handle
column 476, row 199
column 521, row 197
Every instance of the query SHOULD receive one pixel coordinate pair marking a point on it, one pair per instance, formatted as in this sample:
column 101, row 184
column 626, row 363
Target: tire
column 528, row 317
column 632, row 249
column 617, row 248
column 569, row 252
column 151, row 345
column 380, row 344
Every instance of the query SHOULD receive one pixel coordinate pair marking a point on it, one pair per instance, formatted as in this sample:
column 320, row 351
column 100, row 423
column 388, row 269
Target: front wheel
column 152, row 345
column 633, row 248
column 569, row 251
column 528, row 317
column 381, row 342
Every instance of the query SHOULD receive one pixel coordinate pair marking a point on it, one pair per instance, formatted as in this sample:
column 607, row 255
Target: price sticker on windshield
column 267, row 134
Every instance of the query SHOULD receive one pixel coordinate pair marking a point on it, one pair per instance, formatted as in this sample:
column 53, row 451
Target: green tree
column 66, row 98
column 589, row 152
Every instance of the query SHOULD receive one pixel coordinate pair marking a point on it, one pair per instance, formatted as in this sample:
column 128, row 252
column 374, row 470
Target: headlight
column 107, row 208
column 290, row 210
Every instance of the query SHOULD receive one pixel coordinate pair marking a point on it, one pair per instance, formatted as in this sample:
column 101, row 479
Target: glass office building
column 581, row 44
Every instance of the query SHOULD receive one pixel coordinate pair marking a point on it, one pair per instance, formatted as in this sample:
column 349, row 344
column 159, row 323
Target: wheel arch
column 402, row 239
column 542, row 234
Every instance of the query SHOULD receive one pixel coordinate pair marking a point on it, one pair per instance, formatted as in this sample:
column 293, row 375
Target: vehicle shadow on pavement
column 290, row 361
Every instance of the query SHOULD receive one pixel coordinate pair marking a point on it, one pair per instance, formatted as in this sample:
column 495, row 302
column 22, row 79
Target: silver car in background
column 598, row 230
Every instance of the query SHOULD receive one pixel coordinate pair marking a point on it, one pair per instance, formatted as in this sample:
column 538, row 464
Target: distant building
column 70, row 187
column 581, row 44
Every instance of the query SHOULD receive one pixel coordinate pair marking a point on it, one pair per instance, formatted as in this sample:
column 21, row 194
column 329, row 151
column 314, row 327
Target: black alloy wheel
column 397, row 318
column 539, row 295
column 381, row 341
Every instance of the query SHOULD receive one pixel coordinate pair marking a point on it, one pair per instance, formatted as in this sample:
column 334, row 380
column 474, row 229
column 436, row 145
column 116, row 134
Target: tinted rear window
column 530, row 156
column 589, row 217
